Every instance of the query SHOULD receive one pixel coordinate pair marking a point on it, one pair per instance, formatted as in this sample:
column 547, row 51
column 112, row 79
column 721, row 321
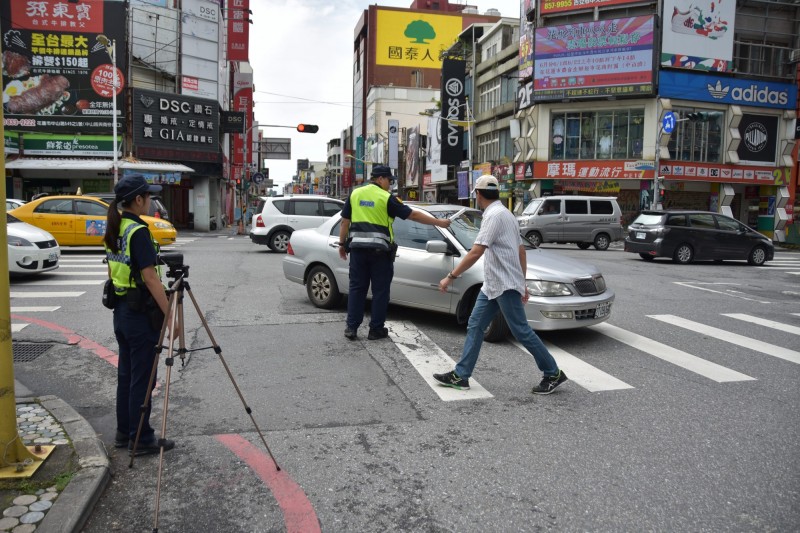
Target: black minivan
column 686, row 236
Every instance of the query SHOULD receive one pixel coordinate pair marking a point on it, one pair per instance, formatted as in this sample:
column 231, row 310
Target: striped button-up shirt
column 501, row 267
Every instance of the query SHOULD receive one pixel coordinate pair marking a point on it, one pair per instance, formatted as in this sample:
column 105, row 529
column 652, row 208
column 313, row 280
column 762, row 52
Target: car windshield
column 648, row 220
column 465, row 227
column 532, row 207
column 11, row 218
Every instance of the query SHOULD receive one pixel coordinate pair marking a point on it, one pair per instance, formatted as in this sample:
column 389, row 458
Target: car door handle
column 334, row 245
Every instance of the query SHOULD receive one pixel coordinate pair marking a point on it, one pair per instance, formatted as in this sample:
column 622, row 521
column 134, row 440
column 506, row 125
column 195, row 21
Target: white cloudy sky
column 301, row 53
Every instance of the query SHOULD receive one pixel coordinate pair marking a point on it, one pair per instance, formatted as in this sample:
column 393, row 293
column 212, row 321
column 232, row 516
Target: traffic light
column 307, row 128
column 699, row 116
column 660, row 190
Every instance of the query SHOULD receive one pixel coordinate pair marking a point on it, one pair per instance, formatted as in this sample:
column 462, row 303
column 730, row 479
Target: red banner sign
column 238, row 30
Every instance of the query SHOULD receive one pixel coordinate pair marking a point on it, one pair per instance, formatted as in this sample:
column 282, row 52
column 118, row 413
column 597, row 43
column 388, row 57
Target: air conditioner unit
column 794, row 57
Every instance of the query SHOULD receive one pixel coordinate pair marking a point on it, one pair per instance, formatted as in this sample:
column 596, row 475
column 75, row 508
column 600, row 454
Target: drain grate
column 27, row 352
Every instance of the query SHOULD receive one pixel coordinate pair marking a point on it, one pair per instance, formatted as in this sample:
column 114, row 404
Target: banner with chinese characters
column 595, row 186
column 751, row 174
column 591, row 169
column 238, row 15
column 175, row 127
column 554, row 6
column 594, row 59
column 414, row 39
column 58, row 72
column 71, row 145
column 242, row 103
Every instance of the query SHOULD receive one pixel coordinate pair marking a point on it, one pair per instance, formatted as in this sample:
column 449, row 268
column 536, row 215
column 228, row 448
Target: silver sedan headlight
column 18, row 241
column 538, row 287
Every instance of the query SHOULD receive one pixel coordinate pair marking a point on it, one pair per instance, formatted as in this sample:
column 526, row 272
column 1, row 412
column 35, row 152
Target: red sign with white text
column 242, row 102
column 554, row 6
column 86, row 16
column 238, row 30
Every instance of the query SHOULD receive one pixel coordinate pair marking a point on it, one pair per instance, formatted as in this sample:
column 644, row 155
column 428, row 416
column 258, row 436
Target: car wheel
column 497, row 331
column 602, row 241
column 322, row 288
column 535, row 237
column 584, row 245
column 647, row 257
column 280, row 241
column 758, row 256
column 683, row 254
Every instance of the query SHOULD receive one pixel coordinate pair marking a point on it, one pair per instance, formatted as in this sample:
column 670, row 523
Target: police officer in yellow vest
column 133, row 268
column 366, row 233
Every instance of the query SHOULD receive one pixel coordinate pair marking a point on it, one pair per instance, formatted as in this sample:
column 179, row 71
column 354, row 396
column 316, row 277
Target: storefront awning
column 30, row 163
column 154, row 166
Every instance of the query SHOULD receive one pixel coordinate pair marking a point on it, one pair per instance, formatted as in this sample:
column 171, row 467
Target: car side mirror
column 436, row 247
column 541, row 212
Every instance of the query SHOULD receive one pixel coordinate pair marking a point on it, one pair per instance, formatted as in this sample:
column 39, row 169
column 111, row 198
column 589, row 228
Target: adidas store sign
column 705, row 88
column 756, row 95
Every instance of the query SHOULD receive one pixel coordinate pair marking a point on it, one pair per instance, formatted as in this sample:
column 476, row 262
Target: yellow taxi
column 81, row 220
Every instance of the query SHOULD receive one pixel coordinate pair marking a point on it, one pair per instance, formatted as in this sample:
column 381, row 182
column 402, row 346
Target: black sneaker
column 350, row 334
column 121, row 440
column 451, row 379
column 148, row 448
column 549, row 383
column 375, row 334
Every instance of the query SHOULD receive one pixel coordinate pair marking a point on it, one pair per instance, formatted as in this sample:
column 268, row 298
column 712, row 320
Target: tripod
column 174, row 319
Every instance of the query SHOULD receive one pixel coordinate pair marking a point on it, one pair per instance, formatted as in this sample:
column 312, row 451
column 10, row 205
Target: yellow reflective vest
column 120, row 263
column 370, row 223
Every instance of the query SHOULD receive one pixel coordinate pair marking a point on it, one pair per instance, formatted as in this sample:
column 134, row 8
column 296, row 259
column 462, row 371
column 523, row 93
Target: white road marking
column 98, row 260
column 97, row 273
column 18, row 327
column 740, row 340
column 427, row 358
column 100, row 267
column 732, row 293
column 764, row 322
column 587, row 376
column 46, row 294
column 690, row 362
column 41, row 309
column 44, row 282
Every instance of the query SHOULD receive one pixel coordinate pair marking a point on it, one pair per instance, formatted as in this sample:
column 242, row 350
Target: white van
column 584, row 220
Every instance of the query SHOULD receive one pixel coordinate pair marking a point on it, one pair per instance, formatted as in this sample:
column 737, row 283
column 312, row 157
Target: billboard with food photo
column 58, row 71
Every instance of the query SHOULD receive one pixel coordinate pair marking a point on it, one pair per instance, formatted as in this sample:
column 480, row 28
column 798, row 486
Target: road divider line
column 582, row 373
column 427, row 358
column 685, row 360
column 740, row 340
column 49, row 294
column 34, row 309
column 764, row 322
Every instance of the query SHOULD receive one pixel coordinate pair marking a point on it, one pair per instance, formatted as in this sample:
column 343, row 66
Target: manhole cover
column 27, row 352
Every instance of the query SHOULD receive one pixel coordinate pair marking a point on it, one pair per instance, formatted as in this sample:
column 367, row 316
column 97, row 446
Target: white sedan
column 564, row 293
column 30, row 249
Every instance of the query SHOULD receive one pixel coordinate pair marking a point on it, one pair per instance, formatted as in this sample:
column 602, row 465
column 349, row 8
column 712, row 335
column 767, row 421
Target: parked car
column 81, row 220
column 30, row 249
column 584, row 220
column 277, row 217
column 686, row 236
column 12, row 203
column 564, row 293
column 157, row 208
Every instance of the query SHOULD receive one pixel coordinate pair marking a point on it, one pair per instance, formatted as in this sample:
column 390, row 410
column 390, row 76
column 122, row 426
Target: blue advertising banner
column 726, row 90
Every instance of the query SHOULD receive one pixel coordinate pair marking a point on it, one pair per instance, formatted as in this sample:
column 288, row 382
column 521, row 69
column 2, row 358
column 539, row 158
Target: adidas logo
column 718, row 91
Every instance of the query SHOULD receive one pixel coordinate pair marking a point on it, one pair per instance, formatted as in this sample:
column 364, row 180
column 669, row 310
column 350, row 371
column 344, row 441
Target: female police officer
column 133, row 268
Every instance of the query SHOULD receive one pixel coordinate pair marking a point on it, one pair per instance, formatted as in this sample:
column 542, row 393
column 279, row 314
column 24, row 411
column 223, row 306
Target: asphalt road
column 683, row 411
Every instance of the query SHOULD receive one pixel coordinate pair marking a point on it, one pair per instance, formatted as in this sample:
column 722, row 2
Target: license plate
column 52, row 257
column 602, row 310
column 640, row 235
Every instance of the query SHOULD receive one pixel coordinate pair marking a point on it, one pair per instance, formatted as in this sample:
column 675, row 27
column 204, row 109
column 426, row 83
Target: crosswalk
column 781, row 262
column 427, row 358
column 83, row 273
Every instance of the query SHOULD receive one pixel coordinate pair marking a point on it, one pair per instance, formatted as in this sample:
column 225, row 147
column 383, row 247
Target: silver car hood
column 549, row 266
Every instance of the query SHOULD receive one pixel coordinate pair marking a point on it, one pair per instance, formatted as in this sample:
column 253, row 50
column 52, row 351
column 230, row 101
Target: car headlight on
column 163, row 225
column 18, row 241
column 538, row 287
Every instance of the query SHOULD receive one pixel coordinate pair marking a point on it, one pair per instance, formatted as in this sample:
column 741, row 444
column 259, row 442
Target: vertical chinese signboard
column 243, row 103
column 238, row 30
column 58, row 72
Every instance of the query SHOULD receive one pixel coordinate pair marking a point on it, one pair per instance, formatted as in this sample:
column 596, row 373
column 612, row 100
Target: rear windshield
column 648, row 220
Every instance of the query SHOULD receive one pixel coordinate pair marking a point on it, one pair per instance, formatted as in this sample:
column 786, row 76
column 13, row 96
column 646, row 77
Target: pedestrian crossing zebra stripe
column 52, row 282
column 19, row 326
column 740, row 340
column 690, row 362
column 764, row 322
column 48, row 294
column 35, row 309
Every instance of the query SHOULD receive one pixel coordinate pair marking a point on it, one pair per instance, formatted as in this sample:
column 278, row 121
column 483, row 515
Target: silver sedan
column 564, row 293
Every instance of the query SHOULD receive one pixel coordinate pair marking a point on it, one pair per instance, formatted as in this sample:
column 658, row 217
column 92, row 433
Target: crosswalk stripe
column 759, row 346
column 34, row 309
column 96, row 273
column 690, row 362
column 99, row 268
column 587, row 376
column 764, row 322
column 44, row 282
column 427, row 358
column 17, row 327
column 97, row 260
column 49, row 294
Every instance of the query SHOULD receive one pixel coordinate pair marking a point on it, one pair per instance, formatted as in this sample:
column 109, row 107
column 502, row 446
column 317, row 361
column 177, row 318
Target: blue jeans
column 510, row 304
column 369, row 267
column 137, row 351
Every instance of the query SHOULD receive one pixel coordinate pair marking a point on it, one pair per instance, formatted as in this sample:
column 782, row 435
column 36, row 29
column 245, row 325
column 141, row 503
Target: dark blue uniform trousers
column 369, row 267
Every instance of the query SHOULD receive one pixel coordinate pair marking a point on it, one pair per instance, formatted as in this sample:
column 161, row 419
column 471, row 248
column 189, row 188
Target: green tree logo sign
column 418, row 31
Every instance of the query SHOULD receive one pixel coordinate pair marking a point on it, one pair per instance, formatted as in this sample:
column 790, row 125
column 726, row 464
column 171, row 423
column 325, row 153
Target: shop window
column 597, row 135
column 697, row 136
column 489, row 147
column 489, row 94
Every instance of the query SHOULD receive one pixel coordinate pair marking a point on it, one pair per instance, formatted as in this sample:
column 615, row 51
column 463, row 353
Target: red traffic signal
column 307, row 128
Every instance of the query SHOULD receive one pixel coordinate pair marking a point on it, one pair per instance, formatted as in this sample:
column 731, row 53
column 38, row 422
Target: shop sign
column 11, row 142
column 414, row 38
column 519, row 171
column 590, row 169
column 175, row 127
column 759, row 135
column 58, row 73
column 755, row 175
column 232, row 122
column 555, row 6
column 594, row 59
column 71, row 145
column 726, row 90
column 453, row 108
column 238, row 30
column 697, row 35
column 595, row 186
